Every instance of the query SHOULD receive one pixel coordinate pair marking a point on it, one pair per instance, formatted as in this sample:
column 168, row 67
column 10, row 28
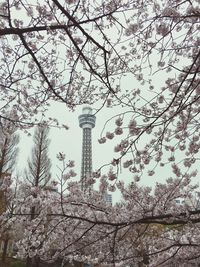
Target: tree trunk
column 5, row 247
column 33, row 262
column 28, row 262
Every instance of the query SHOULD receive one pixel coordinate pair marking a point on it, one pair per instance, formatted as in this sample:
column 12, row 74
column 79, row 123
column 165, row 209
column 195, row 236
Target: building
column 86, row 122
column 107, row 198
column 192, row 201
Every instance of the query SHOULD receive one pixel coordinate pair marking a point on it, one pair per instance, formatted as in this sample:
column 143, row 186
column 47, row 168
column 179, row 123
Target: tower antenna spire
column 86, row 122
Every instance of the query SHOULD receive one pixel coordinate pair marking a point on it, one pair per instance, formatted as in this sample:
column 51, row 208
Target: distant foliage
column 38, row 172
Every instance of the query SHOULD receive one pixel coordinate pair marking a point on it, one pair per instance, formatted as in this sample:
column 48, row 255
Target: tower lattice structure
column 86, row 122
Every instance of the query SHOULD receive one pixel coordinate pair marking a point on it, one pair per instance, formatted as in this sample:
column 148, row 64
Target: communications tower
column 86, row 122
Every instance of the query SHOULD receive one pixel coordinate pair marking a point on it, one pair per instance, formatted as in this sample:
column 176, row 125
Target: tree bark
column 5, row 248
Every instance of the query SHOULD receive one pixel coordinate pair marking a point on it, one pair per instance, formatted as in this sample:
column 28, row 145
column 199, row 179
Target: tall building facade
column 107, row 198
column 86, row 122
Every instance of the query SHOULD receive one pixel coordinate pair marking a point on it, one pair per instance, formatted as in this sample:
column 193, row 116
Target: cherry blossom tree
column 149, row 228
column 64, row 51
column 161, row 123
column 141, row 56
column 51, row 52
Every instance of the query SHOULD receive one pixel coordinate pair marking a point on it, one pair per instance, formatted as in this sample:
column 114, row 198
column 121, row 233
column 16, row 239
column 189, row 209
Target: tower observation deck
column 86, row 122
